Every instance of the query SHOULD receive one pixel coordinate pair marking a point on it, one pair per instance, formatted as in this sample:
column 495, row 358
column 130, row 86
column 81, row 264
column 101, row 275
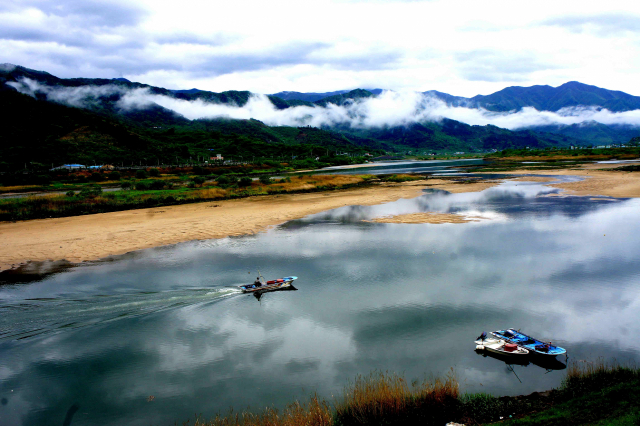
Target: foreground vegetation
column 591, row 394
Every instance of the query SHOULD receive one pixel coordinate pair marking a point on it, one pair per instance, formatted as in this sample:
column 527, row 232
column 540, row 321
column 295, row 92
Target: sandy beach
column 598, row 180
column 91, row 237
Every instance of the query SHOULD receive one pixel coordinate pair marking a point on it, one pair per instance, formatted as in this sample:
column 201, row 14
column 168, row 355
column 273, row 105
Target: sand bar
column 92, row 237
column 598, row 180
column 434, row 218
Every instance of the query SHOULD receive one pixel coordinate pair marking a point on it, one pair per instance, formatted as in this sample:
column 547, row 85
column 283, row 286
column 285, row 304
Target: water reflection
column 397, row 297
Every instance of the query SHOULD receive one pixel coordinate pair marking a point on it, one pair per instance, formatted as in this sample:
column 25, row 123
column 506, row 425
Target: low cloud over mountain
column 388, row 109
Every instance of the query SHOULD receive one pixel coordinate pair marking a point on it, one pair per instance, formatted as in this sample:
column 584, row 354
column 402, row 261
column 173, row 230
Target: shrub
column 197, row 170
column 154, row 172
column 157, row 184
column 70, row 194
column 126, row 185
column 96, row 177
column 114, row 176
column 141, row 174
column 90, row 191
column 198, row 180
column 222, row 180
column 142, row 185
column 245, row 181
column 265, row 180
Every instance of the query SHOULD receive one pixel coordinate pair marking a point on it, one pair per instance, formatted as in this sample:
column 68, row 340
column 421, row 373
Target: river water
column 160, row 335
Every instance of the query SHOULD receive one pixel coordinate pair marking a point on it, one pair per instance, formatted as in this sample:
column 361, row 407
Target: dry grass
column 18, row 188
column 587, row 376
column 316, row 412
column 388, row 398
column 211, row 193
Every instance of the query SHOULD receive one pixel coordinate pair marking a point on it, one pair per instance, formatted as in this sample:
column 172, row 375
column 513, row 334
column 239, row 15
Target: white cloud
column 389, row 109
column 330, row 44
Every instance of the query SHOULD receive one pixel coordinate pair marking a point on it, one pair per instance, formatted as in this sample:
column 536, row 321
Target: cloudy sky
column 462, row 47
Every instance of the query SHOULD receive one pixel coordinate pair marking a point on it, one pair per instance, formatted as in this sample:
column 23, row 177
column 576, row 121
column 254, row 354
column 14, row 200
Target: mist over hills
column 111, row 120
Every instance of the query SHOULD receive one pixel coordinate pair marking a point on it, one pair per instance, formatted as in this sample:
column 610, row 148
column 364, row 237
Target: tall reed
column 315, row 412
column 384, row 398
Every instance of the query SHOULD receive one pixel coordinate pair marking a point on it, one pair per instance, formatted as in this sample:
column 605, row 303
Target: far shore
column 92, row 237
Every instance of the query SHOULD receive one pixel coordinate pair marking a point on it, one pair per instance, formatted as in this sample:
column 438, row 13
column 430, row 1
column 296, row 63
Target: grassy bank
column 593, row 393
column 91, row 199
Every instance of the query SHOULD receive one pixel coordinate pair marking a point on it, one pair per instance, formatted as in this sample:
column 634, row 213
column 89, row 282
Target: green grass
column 593, row 393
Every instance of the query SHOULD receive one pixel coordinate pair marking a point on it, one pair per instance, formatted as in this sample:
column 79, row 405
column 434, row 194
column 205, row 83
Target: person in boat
column 257, row 283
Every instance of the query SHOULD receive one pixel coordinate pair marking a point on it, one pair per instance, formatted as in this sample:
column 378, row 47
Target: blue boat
column 533, row 345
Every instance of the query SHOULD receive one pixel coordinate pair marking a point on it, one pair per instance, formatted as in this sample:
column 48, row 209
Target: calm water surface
column 90, row 345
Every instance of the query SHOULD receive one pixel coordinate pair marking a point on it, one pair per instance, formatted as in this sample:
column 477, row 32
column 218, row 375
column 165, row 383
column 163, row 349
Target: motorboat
column 533, row 345
column 261, row 286
column 499, row 346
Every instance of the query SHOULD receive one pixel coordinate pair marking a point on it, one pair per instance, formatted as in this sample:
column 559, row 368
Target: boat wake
column 20, row 319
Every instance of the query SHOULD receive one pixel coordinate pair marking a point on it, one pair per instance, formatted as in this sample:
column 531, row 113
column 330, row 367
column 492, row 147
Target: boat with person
column 499, row 346
column 533, row 345
column 261, row 286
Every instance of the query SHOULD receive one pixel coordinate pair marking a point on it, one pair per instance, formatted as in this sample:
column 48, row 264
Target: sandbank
column 599, row 180
column 91, row 237
column 434, row 218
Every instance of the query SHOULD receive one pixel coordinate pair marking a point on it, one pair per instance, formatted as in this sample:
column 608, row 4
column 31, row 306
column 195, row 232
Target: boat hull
column 497, row 346
column 533, row 345
column 278, row 284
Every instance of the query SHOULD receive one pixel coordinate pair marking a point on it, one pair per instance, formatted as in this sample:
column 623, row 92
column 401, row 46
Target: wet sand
column 599, row 180
column 92, row 237
column 435, row 218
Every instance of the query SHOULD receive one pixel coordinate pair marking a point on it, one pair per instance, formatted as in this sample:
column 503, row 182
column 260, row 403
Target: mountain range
column 542, row 98
column 50, row 119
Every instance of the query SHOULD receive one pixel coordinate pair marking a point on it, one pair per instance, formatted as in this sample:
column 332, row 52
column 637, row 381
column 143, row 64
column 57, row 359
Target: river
column 156, row 336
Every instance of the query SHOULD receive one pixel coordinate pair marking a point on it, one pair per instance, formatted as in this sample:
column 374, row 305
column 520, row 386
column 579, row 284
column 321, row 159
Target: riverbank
column 92, row 237
column 599, row 179
column 592, row 393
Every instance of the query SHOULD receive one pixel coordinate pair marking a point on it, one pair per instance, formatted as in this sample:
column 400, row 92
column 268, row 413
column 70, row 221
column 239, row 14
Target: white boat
column 500, row 347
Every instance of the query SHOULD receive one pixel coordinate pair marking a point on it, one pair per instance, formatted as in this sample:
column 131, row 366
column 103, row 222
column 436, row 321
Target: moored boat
column 261, row 285
column 499, row 347
column 531, row 344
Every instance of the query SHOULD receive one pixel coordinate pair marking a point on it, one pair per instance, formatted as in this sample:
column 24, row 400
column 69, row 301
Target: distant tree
column 126, row 185
column 141, row 174
column 245, row 181
column 114, row 176
column 154, row 172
